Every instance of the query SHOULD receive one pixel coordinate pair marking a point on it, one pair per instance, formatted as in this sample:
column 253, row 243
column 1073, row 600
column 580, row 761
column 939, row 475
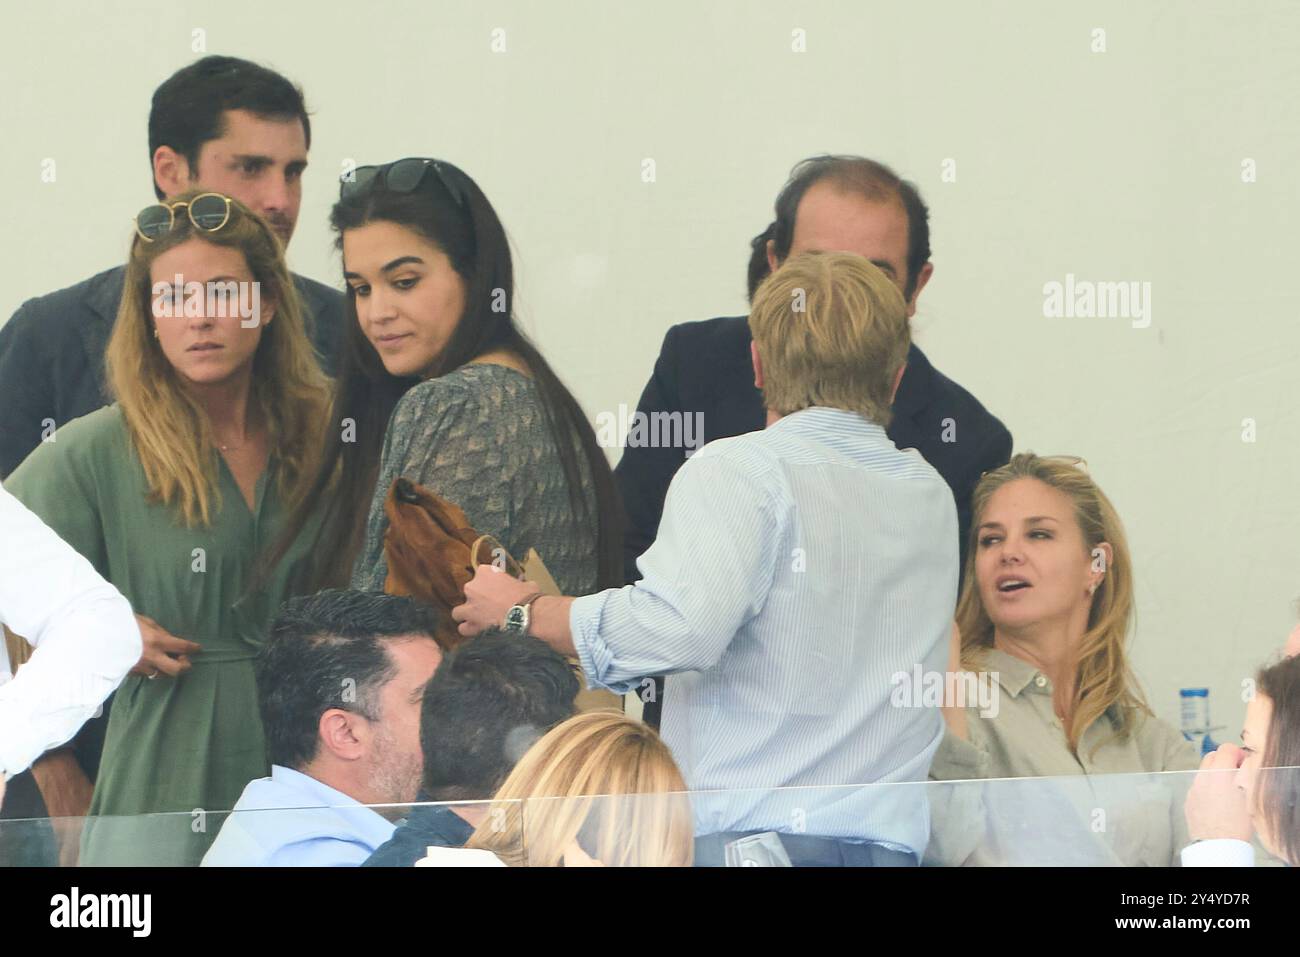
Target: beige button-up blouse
column 1107, row 803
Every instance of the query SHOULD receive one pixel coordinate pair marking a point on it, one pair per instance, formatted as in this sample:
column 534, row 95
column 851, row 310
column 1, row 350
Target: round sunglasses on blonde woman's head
column 207, row 213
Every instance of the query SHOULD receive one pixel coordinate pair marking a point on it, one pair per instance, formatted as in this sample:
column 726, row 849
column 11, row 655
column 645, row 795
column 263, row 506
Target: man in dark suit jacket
column 222, row 124
column 830, row 203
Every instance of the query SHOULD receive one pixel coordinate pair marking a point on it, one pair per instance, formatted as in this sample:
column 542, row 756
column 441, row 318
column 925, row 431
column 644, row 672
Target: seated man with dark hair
column 339, row 685
column 490, row 700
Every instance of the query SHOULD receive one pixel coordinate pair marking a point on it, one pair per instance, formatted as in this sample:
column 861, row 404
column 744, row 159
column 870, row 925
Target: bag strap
column 486, row 550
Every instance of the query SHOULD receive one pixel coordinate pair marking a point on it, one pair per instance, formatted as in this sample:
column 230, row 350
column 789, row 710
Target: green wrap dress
column 186, row 744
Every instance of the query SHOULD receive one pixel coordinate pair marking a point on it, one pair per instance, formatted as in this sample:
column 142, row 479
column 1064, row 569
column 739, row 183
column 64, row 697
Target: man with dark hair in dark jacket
column 704, row 373
column 222, row 124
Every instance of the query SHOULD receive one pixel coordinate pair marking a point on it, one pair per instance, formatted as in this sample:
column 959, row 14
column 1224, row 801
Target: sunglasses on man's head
column 208, row 212
column 402, row 176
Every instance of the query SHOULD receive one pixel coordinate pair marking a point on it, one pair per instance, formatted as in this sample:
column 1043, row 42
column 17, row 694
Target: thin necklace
column 248, row 435
column 233, row 448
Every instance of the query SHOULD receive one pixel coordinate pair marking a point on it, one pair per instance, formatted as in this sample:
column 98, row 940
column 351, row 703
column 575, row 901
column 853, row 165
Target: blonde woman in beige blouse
column 1044, row 617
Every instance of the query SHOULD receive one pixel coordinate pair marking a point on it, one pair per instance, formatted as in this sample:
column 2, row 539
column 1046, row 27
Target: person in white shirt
column 1263, row 795
column 82, row 629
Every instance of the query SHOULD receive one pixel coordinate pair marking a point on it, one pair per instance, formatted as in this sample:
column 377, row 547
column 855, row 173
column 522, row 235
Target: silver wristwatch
column 518, row 617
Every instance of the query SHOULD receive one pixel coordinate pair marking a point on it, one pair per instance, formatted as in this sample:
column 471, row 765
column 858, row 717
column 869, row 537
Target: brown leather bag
column 433, row 552
column 428, row 546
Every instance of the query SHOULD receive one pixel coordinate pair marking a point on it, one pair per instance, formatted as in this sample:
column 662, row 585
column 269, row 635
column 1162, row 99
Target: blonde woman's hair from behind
column 602, row 781
column 1104, row 678
column 170, row 432
column 831, row 330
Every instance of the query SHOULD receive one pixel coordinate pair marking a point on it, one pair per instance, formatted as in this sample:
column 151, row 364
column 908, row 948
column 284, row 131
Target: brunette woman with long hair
column 438, row 385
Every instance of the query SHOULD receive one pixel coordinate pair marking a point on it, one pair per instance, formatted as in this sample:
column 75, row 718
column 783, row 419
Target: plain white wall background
column 1117, row 165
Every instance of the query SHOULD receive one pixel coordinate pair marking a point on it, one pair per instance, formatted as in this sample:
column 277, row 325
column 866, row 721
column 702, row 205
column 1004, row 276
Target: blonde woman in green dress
column 171, row 493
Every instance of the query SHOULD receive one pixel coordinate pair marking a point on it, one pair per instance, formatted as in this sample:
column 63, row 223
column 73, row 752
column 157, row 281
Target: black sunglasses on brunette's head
column 402, row 176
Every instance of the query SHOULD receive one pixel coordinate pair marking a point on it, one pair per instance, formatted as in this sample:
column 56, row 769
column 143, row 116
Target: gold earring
column 155, row 333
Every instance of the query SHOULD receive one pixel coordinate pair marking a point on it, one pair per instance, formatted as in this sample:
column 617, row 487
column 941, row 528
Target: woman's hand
column 164, row 653
column 953, row 714
column 1216, row 806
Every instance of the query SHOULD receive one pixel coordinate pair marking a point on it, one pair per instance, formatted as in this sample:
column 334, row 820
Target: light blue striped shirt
column 796, row 571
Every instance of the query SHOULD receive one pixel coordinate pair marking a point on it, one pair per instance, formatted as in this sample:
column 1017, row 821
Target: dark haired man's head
column 490, row 700
column 759, row 268
column 233, row 127
column 848, row 204
column 339, row 685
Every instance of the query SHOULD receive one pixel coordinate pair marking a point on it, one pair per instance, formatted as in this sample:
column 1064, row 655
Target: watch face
column 515, row 618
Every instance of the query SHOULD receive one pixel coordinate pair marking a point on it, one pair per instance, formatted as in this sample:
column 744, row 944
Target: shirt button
column 1040, row 681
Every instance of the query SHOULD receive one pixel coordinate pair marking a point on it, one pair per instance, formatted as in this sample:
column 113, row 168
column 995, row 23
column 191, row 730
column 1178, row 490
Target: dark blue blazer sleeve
column 645, row 473
column 993, row 452
column 27, row 383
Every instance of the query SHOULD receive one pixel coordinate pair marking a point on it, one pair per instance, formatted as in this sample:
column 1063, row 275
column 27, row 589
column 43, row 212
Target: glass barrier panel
column 1110, row 820
column 345, row 835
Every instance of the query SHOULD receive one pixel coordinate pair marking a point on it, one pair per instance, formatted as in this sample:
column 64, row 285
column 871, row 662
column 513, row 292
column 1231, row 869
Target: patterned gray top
column 478, row 437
